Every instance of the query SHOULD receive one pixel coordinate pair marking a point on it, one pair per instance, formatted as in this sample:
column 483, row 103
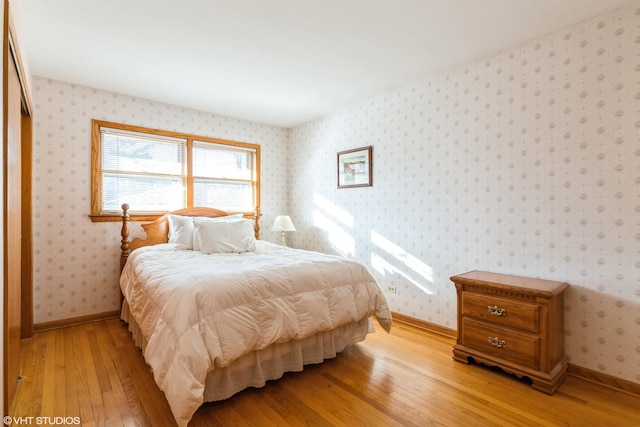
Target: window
column 223, row 174
column 158, row 171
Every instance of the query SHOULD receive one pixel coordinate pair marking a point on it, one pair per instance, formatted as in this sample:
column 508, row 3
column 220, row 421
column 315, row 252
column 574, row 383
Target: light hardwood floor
column 408, row 378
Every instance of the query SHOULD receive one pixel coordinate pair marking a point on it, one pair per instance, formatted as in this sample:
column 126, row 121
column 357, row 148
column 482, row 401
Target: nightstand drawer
column 523, row 349
column 502, row 311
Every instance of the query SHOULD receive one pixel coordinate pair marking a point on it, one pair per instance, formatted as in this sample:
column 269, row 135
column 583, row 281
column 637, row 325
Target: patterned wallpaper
column 77, row 261
column 527, row 163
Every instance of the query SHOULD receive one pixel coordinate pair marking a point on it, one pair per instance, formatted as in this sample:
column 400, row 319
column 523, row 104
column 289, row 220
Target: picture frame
column 355, row 167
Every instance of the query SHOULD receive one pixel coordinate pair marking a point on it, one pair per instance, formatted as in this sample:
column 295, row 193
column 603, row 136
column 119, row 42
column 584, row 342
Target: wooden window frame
column 97, row 215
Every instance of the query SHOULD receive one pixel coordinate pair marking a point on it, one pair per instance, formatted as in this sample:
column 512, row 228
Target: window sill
column 118, row 218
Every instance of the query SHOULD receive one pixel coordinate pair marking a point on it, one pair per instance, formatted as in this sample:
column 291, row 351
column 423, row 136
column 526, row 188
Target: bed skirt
column 258, row 367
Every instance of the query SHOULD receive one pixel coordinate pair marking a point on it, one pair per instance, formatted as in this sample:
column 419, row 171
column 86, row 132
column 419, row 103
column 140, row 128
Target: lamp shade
column 283, row 223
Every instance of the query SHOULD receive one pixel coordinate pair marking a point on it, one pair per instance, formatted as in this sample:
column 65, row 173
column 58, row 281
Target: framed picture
column 355, row 168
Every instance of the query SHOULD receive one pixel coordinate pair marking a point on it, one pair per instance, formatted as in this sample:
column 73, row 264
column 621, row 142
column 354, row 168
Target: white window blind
column 223, row 176
column 147, row 169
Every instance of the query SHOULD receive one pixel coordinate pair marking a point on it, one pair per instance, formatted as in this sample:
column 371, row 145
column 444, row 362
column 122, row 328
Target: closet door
column 13, row 229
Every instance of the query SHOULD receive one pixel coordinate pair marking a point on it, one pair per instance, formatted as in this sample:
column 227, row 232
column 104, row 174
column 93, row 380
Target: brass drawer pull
column 496, row 342
column 493, row 309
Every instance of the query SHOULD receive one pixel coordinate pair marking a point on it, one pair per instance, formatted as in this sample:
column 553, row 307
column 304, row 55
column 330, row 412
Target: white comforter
column 198, row 312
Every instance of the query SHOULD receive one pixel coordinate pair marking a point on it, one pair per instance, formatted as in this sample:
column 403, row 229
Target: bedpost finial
column 125, row 207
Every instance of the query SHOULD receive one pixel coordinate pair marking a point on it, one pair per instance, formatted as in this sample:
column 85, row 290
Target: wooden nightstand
column 515, row 323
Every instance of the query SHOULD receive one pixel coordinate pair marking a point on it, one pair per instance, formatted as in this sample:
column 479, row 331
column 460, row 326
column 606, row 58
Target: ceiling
column 280, row 62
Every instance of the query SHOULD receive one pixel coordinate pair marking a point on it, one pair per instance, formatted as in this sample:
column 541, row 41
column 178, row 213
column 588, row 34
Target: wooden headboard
column 158, row 230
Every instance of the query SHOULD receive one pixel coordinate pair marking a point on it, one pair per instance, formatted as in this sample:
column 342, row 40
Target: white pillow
column 234, row 217
column 181, row 228
column 181, row 231
column 224, row 236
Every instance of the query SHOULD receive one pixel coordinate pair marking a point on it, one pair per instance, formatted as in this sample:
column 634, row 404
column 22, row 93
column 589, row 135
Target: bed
column 216, row 310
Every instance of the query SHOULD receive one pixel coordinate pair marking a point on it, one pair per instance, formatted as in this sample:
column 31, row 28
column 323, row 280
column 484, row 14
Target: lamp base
column 284, row 241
